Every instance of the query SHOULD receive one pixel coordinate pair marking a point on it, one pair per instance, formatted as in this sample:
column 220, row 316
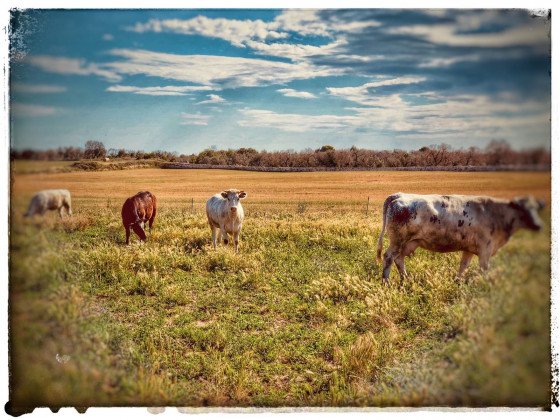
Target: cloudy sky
column 186, row 80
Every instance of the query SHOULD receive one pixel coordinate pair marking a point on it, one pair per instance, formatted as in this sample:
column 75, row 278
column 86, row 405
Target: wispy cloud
column 363, row 94
column 467, row 31
column 235, row 31
column 108, row 37
column 69, row 66
column 296, row 94
column 194, row 119
column 158, row 90
column 258, row 35
column 29, row 88
column 295, row 122
column 214, row 99
column 478, row 115
column 216, row 71
column 27, row 110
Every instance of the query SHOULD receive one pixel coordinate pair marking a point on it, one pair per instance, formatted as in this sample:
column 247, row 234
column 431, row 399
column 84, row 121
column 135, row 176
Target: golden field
column 177, row 186
column 299, row 317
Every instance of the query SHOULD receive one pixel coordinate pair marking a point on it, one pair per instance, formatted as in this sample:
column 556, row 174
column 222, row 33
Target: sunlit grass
column 298, row 318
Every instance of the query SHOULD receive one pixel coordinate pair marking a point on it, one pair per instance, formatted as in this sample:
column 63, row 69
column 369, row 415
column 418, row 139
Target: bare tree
column 94, row 150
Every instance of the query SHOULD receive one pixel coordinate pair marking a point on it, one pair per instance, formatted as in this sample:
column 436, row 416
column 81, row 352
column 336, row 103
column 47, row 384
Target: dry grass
column 299, row 317
column 179, row 186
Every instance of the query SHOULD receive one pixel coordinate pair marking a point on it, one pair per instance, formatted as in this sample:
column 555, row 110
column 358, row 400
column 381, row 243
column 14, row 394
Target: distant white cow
column 476, row 225
column 225, row 213
column 50, row 200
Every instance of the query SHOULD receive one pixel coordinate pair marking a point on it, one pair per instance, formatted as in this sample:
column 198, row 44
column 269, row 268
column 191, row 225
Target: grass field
column 298, row 318
column 39, row 166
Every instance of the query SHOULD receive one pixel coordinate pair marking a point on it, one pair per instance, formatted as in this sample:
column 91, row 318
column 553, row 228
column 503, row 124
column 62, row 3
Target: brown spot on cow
column 460, row 223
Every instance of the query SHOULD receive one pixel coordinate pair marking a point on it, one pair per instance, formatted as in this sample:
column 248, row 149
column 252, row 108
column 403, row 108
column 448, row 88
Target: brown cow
column 476, row 225
column 138, row 210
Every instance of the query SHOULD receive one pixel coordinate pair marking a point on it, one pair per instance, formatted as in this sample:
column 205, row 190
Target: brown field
column 351, row 189
column 299, row 317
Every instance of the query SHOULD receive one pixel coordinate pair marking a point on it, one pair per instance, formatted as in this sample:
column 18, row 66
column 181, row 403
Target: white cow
column 475, row 225
column 225, row 213
column 50, row 200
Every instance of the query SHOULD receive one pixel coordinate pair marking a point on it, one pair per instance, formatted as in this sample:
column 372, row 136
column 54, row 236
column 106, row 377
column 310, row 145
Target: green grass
column 298, row 318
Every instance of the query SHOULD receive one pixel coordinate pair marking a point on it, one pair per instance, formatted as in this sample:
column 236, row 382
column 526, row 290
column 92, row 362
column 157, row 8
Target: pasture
column 298, row 318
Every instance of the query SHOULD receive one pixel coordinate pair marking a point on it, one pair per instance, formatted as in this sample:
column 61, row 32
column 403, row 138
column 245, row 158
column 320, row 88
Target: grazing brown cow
column 225, row 215
column 476, row 225
column 138, row 210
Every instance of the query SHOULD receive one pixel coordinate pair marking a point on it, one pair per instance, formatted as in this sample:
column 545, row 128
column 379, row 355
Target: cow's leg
column 387, row 263
column 43, row 211
column 399, row 262
column 236, row 240
column 68, row 209
column 214, row 234
column 484, row 259
column 224, row 235
column 127, row 228
column 465, row 261
column 60, row 212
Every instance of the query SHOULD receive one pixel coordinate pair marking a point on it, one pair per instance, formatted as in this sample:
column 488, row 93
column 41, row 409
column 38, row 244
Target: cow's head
column 528, row 208
column 233, row 196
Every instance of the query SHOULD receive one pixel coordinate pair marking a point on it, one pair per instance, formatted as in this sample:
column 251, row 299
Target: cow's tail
column 388, row 201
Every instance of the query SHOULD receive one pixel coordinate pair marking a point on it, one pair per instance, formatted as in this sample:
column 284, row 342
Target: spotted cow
column 475, row 225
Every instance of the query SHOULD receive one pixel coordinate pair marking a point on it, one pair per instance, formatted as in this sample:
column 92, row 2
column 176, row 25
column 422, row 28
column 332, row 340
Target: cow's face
column 233, row 198
column 529, row 208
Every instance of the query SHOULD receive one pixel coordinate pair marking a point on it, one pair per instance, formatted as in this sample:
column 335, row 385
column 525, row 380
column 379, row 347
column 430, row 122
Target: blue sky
column 186, row 80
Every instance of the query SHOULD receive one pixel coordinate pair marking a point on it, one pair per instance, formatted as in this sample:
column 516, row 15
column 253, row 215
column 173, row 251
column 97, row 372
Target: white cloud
column 214, row 99
column 27, row 88
column 295, row 52
column 462, row 113
column 26, row 110
column 535, row 33
column 468, row 115
column 235, row 31
column 296, row 94
column 295, row 122
column 257, row 34
column 362, row 94
column 108, row 37
column 308, row 22
column 158, row 90
column 194, row 119
column 69, row 66
column 215, row 71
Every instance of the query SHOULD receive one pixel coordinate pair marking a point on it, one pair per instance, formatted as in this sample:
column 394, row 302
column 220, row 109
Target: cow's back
column 442, row 223
column 141, row 206
column 216, row 208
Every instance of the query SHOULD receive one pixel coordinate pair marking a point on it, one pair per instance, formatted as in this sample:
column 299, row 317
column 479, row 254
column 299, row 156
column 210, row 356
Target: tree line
column 498, row 152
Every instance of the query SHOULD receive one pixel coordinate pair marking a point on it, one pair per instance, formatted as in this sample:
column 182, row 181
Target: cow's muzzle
column 234, row 209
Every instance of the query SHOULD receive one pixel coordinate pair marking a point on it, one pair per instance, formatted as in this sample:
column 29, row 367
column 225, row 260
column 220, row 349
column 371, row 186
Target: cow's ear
column 541, row 203
column 242, row 194
column 224, row 194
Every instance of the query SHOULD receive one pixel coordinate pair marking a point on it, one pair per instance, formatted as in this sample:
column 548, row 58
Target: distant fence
column 510, row 168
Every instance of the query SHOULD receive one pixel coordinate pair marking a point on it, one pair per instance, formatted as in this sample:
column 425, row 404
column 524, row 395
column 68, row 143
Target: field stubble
column 298, row 318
